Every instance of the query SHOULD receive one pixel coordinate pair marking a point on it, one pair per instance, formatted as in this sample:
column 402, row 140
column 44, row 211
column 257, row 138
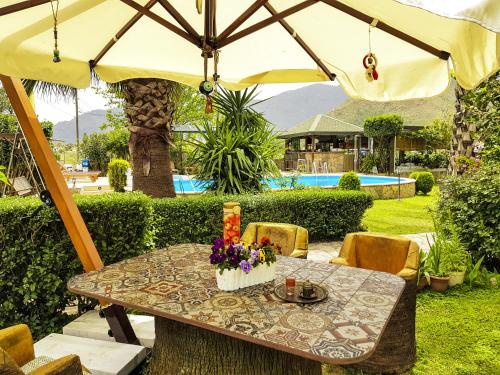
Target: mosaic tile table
column 202, row 330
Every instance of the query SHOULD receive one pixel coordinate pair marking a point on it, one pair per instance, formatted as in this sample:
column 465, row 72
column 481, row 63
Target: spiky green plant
column 235, row 155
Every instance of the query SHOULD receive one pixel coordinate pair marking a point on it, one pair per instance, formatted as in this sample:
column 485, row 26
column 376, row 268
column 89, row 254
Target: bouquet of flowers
column 241, row 256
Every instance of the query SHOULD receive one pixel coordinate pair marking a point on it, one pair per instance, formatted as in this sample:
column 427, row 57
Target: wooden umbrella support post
column 61, row 195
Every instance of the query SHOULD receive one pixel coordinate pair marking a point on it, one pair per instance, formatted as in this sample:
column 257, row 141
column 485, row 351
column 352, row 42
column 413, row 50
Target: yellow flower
column 262, row 257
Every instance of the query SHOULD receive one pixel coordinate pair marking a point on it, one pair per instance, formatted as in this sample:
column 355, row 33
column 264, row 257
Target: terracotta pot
column 439, row 284
column 456, row 278
column 422, row 283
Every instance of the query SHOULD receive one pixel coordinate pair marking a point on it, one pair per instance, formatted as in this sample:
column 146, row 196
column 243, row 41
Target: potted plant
column 454, row 258
column 239, row 266
column 436, row 275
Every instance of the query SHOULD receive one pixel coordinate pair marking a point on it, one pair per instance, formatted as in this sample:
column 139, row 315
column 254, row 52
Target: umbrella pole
column 61, row 195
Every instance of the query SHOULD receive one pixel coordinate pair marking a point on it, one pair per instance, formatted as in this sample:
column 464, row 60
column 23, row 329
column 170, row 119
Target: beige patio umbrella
column 416, row 42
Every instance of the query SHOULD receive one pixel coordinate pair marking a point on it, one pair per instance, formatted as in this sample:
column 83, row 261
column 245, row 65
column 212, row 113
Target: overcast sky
column 60, row 110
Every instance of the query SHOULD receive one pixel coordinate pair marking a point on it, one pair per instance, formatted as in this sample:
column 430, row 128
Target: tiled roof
column 322, row 125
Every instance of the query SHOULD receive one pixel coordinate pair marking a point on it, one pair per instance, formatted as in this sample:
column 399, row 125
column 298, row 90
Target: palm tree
column 150, row 105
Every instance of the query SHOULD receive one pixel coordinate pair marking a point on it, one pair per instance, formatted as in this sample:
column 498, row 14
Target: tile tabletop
column 179, row 283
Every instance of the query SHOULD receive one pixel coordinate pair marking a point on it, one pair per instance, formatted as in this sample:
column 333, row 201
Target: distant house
column 323, row 143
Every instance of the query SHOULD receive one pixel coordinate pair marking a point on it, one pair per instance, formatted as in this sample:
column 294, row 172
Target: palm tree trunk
column 461, row 142
column 150, row 106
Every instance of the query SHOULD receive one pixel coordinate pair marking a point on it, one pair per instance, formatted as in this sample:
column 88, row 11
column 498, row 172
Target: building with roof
column 324, row 144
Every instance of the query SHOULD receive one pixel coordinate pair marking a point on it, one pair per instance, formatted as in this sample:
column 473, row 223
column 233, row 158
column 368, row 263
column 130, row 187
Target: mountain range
column 292, row 107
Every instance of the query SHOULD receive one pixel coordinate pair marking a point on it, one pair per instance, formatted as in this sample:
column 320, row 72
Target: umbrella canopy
column 256, row 41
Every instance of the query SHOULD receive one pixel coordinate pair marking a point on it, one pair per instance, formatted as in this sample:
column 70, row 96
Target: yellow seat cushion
column 17, row 341
column 379, row 253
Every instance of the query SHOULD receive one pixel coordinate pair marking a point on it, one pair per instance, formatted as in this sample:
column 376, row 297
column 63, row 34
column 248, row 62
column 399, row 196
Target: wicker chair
column 292, row 238
column 396, row 350
column 17, row 356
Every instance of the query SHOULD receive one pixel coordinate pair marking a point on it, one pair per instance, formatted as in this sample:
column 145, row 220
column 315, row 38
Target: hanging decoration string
column 370, row 60
column 55, row 56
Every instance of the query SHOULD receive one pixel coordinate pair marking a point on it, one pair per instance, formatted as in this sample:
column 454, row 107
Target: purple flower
column 233, row 260
column 214, row 258
column 245, row 266
column 254, row 254
column 230, row 250
column 222, row 257
column 218, row 244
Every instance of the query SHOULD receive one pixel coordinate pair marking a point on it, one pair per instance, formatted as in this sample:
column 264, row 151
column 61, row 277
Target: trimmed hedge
column 37, row 258
column 349, row 181
column 424, row 181
column 326, row 214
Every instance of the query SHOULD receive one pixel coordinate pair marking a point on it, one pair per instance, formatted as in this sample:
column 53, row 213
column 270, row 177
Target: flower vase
column 236, row 279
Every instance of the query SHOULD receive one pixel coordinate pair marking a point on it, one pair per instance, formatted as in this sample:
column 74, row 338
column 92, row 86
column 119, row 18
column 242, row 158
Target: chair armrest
column 407, row 273
column 18, row 343
column 68, row 365
column 340, row 261
column 298, row 253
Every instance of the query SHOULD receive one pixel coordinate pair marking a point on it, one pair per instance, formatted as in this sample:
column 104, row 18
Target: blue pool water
column 185, row 184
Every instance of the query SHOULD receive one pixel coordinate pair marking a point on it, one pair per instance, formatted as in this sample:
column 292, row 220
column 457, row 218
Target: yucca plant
column 235, row 154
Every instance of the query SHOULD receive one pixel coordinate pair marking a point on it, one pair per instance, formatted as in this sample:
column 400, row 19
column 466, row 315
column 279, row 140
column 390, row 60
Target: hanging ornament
column 206, row 87
column 55, row 55
column 370, row 64
column 370, row 61
column 199, row 6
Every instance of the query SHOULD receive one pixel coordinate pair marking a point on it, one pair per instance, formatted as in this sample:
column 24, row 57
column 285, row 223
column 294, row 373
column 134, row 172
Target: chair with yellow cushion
column 292, row 238
column 17, row 356
column 396, row 350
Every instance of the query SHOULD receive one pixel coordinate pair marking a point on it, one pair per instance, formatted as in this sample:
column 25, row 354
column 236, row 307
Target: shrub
column 37, row 258
column 414, row 157
column 383, row 129
column 473, row 200
column 424, row 181
column 117, row 173
column 367, row 163
column 349, row 181
column 436, row 159
column 238, row 153
column 326, row 214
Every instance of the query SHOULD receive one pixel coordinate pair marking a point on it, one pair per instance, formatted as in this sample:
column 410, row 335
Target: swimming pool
column 186, row 184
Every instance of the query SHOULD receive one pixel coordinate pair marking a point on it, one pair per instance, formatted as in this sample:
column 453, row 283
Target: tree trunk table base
column 396, row 351
column 185, row 349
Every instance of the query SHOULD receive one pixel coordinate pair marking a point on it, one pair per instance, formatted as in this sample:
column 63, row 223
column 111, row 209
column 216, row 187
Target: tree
column 5, row 107
column 482, row 116
column 236, row 154
column 435, row 135
column 94, row 147
column 383, row 129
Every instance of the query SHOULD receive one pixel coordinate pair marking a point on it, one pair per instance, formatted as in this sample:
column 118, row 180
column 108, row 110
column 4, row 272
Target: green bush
column 349, row 181
column 326, row 214
column 473, row 200
column 424, row 181
column 117, row 173
column 37, row 258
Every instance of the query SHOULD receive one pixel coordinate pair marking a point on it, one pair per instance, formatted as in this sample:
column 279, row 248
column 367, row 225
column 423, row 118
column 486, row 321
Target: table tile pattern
column 179, row 283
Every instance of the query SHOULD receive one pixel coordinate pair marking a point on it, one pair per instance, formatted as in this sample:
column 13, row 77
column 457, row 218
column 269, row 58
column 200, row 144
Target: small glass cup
column 290, row 285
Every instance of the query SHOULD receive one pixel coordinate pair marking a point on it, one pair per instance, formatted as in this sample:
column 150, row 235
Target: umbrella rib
column 162, row 21
column 119, row 34
column 302, row 43
column 388, row 29
column 21, row 6
column 239, row 21
column 179, row 18
column 264, row 23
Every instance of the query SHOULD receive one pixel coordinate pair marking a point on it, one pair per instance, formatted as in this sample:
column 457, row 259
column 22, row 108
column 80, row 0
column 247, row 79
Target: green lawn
column 409, row 215
column 458, row 333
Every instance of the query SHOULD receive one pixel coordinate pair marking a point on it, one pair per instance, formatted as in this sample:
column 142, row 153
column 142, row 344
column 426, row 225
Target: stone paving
column 324, row 251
